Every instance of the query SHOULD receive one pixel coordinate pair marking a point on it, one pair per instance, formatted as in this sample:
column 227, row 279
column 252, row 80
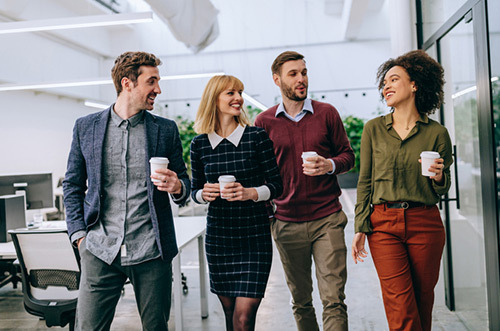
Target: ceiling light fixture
column 75, row 22
column 470, row 89
column 95, row 104
column 91, row 82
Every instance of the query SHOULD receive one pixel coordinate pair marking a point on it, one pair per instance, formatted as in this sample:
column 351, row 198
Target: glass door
column 465, row 219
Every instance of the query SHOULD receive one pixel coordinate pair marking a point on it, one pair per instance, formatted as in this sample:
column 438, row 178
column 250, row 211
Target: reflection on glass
column 494, row 31
column 495, row 87
column 436, row 12
column 466, row 223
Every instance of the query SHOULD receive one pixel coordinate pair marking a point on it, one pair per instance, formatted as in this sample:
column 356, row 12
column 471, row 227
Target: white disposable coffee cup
column 223, row 181
column 157, row 163
column 427, row 158
column 305, row 155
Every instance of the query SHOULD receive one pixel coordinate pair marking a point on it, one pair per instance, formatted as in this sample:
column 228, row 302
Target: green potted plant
column 186, row 133
column 354, row 128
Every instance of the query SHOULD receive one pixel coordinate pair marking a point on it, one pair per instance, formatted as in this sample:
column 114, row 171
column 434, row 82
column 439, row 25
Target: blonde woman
column 238, row 239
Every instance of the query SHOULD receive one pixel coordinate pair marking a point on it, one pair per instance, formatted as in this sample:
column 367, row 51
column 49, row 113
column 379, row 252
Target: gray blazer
column 82, row 183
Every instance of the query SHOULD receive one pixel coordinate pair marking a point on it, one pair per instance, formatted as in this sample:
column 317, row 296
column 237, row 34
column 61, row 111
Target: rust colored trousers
column 406, row 247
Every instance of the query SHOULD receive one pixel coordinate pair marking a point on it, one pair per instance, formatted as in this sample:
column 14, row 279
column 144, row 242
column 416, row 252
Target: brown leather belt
column 404, row 204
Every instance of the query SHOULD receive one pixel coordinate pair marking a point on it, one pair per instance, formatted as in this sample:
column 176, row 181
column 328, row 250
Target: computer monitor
column 12, row 215
column 37, row 189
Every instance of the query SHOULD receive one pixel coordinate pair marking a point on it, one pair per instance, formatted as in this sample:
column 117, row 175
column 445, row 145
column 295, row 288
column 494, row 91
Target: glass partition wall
column 458, row 35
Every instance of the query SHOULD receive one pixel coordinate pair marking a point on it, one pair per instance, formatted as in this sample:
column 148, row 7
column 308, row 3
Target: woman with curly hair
column 396, row 205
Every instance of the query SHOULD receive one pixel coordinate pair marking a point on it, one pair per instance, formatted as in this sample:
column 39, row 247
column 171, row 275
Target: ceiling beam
column 353, row 13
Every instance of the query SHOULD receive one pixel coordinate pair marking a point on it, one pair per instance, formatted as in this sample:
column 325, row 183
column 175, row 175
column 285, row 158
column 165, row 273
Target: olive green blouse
column 389, row 168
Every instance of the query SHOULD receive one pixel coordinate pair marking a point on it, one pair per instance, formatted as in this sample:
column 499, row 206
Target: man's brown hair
column 128, row 65
column 285, row 57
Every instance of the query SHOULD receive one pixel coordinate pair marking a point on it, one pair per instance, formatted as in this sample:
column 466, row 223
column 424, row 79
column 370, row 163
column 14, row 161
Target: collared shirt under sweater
column 307, row 198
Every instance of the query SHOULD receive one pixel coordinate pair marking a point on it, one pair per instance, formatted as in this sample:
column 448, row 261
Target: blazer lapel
column 100, row 125
column 151, row 136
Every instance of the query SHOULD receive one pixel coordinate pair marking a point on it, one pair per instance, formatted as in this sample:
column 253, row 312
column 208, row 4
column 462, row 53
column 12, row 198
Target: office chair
column 50, row 273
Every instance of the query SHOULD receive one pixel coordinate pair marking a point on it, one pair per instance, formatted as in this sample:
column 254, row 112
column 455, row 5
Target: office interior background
column 49, row 77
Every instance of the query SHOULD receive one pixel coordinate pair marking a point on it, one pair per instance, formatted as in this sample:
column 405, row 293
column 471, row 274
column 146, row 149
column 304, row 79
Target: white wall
column 36, row 132
column 35, row 128
column 334, row 69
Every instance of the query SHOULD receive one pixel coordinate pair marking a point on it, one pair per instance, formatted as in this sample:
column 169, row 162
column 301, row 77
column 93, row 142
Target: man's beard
column 290, row 94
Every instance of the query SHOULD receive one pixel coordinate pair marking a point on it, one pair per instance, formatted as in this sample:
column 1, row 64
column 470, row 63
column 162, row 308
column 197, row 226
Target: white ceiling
column 251, row 34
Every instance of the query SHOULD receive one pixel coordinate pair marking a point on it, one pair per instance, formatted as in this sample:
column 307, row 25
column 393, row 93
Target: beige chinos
column 323, row 239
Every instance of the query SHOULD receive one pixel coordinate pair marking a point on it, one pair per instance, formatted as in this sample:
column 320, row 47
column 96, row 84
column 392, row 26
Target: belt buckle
column 405, row 205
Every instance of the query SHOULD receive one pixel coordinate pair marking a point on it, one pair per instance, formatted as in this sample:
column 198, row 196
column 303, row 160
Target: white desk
column 187, row 229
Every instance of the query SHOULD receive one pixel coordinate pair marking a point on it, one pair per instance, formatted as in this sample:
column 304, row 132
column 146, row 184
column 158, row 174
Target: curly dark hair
column 427, row 74
column 128, row 65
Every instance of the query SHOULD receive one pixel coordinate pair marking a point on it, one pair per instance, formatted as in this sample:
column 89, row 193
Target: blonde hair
column 206, row 118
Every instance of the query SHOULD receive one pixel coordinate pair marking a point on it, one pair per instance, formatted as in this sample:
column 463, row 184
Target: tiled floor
column 363, row 299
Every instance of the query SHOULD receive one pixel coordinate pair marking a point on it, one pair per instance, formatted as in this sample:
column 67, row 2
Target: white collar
column 234, row 137
column 307, row 107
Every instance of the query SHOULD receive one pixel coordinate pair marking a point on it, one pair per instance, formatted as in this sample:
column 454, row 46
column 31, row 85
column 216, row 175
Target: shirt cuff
column 199, row 197
column 77, row 235
column 175, row 197
column 333, row 164
column 263, row 193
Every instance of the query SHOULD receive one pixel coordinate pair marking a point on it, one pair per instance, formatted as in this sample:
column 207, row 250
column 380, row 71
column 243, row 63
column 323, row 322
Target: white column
column 402, row 26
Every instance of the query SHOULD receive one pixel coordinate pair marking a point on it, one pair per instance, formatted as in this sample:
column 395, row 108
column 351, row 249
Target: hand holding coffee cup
column 432, row 165
column 308, row 163
column 163, row 178
column 223, row 181
column 210, row 191
column 315, row 165
column 157, row 163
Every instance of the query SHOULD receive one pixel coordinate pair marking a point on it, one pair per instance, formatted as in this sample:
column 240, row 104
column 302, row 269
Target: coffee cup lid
column 158, row 160
column 227, row 178
column 430, row 154
column 310, row 153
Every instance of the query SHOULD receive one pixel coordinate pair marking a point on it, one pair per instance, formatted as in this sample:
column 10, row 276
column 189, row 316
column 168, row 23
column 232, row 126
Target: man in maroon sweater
column 309, row 220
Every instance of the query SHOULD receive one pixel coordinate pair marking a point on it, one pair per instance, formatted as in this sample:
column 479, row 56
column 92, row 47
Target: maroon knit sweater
column 307, row 198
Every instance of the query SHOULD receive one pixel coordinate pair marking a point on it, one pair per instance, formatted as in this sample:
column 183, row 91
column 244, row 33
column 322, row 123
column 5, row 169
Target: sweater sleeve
column 364, row 188
column 269, row 166
column 344, row 155
column 445, row 151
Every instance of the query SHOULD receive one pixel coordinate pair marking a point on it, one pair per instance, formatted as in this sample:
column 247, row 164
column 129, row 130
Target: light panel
column 75, row 22
column 92, row 82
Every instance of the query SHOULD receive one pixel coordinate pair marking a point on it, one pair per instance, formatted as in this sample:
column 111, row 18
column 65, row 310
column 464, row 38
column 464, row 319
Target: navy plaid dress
column 238, row 239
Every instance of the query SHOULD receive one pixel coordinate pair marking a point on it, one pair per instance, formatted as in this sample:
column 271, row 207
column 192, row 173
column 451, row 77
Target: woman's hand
column 437, row 168
column 210, row 191
column 358, row 247
column 236, row 192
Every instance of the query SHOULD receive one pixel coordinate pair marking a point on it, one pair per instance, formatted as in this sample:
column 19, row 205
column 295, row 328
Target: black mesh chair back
column 50, row 274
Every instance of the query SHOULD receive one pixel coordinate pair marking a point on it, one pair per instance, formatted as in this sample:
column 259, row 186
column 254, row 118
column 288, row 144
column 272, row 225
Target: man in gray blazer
column 119, row 219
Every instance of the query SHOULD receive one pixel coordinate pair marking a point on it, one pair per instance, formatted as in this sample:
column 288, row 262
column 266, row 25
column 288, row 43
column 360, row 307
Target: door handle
column 457, row 191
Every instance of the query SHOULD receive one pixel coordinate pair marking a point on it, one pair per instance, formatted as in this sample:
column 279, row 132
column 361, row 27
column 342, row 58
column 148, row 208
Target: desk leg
column 177, row 292
column 203, row 277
